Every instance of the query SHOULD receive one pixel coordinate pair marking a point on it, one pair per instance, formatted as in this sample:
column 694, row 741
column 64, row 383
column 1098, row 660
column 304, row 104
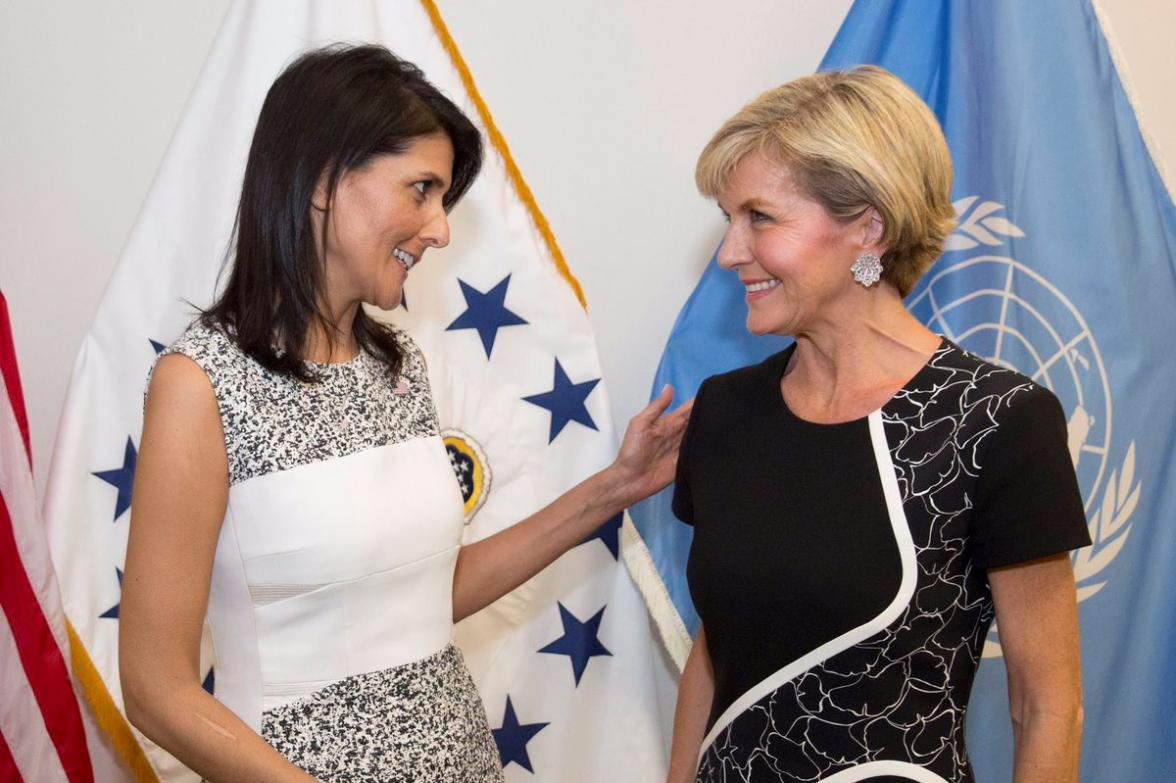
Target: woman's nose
column 733, row 251
column 436, row 232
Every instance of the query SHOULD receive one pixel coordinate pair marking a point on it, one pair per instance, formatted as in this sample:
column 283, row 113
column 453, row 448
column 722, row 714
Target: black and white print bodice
column 338, row 546
column 840, row 571
column 272, row 422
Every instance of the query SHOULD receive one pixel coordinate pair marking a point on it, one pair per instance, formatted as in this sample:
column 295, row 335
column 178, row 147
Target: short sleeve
column 1027, row 502
column 214, row 352
column 223, row 363
column 198, row 343
column 683, row 501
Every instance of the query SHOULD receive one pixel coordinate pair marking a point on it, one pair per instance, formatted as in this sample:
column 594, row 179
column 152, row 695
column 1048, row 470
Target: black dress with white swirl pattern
column 844, row 632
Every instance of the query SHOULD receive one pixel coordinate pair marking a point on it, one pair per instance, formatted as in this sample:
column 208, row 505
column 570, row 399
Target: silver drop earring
column 867, row 269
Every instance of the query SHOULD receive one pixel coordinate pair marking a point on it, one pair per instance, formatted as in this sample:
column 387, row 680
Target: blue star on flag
column 609, row 535
column 579, row 642
column 485, row 312
column 513, row 737
column 121, row 478
column 112, row 612
column 565, row 401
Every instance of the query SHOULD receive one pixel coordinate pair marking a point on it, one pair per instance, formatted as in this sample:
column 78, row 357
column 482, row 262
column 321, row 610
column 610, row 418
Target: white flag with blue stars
column 567, row 665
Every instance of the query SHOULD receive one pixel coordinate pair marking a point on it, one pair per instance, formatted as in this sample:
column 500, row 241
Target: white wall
column 89, row 96
column 605, row 104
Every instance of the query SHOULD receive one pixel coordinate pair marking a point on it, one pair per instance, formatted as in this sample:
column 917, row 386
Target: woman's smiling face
column 791, row 256
column 384, row 215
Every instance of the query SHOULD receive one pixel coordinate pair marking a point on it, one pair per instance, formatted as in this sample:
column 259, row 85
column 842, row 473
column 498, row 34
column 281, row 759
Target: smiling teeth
column 762, row 286
column 406, row 259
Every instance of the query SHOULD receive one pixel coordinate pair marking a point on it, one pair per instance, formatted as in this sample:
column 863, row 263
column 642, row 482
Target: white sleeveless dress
column 331, row 597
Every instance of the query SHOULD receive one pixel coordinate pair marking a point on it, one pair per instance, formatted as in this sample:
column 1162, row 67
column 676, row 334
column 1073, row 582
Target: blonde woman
column 866, row 501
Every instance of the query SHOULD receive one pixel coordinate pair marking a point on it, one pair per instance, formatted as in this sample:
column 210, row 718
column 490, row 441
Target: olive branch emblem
column 981, row 226
column 1109, row 527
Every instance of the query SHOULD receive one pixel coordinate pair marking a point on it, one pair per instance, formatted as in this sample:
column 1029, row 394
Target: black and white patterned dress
column 840, row 571
column 331, row 597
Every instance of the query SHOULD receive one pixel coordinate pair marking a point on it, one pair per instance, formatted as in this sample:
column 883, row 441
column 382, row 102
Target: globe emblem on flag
column 1000, row 309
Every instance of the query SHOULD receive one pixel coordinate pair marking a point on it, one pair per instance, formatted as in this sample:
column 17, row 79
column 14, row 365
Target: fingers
column 653, row 411
column 676, row 422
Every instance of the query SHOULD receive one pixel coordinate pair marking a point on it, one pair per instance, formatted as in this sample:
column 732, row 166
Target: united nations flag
column 1061, row 267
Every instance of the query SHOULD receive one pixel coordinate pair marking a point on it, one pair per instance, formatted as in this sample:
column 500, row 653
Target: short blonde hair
column 851, row 140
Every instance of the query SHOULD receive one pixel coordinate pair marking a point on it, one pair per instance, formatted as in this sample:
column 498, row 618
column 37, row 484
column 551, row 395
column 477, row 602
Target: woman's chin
column 388, row 301
column 762, row 326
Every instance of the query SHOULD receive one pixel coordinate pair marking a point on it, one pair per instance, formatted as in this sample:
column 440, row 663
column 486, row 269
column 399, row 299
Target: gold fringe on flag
column 499, row 143
column 106, row 713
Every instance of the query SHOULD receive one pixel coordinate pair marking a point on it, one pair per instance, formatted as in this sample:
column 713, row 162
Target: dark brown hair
column 331, row 110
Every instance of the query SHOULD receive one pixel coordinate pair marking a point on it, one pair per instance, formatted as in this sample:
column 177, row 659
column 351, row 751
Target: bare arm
column 180, row 492
column 492, row 567
column 1036, row 611
column 696, row 692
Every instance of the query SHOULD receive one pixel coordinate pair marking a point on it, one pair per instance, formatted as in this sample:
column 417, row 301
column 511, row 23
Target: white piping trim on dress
column 870, row 769
column 906, row 589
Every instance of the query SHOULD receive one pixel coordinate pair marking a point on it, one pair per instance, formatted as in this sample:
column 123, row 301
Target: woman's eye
column 422, row 187
column 756, row 216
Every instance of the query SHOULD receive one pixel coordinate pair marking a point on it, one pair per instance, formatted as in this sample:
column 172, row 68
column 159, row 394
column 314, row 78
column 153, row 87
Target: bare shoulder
column 180, row 391
column 181, row 424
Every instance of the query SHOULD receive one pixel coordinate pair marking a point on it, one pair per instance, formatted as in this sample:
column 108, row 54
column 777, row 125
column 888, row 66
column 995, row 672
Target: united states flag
column 42, row 737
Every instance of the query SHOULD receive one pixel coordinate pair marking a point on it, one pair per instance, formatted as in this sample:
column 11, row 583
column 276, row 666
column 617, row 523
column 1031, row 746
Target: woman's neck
column 847, row 367
column 333, row 342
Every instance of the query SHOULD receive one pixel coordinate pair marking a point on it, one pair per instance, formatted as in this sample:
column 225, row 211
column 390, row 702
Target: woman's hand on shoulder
column 649, row 450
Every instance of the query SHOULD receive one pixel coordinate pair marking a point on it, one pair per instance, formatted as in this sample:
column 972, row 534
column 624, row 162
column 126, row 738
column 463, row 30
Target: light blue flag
column 1063, row 267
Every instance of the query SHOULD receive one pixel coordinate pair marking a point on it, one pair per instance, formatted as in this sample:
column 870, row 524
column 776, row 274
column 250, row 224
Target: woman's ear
column 872, row 231
column 321, row 198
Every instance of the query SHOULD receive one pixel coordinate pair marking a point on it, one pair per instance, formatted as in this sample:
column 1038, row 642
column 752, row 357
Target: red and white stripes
column 41, row 732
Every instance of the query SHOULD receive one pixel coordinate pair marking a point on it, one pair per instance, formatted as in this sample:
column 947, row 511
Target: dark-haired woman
column 291, row 482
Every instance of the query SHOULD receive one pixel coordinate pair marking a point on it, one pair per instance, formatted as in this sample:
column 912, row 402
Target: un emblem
column 998, row 308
